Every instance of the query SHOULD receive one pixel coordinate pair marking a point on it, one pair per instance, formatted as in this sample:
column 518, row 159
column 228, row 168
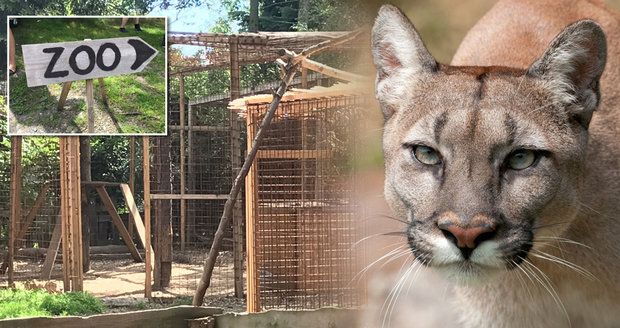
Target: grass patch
column 16, row 303
column 136, row 101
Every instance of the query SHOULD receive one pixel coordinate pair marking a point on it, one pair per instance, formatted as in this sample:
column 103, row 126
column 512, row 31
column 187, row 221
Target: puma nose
column 467, row 238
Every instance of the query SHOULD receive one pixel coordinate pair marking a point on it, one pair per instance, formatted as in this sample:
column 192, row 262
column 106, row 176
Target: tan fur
column 574, row 194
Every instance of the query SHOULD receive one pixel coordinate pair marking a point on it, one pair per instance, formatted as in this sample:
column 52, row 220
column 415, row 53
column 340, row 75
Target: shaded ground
column 136, row 101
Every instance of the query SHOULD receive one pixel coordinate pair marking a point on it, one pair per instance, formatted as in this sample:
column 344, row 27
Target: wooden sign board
column 48, row 63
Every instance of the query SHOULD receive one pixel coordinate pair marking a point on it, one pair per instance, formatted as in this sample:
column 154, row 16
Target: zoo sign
column 48, row 63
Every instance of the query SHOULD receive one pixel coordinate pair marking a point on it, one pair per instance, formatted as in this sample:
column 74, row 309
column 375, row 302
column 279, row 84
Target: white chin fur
column 447, row 259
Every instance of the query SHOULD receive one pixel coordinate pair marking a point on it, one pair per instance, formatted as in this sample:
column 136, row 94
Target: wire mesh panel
column 191, row 175
column 303, row 206
column 38, row 223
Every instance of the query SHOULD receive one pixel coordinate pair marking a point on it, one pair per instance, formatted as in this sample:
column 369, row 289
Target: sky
column 194, row 19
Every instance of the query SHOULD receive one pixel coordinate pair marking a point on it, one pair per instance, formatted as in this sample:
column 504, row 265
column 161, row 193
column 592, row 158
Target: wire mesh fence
column 191, row 174
column 302, row 206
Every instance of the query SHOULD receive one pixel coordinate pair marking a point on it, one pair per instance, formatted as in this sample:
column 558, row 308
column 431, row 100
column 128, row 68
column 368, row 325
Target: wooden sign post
column 65, row 62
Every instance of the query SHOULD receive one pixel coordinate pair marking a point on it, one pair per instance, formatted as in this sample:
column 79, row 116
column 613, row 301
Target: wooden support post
column 104, row 94
column 235, row 161
column 15, row 199
column 147, row 215
column 235, row 75
column 132, row 176
column 182, row 158
column 66, row 86
column 135, row 215
column 251, row 198
column 88, row 209
column 52, row 251
column 304, row 78
column 90, row 104
column 235, row 158
column 162, row 233
column 118, row 222
column 191, row 188
column 70, row 206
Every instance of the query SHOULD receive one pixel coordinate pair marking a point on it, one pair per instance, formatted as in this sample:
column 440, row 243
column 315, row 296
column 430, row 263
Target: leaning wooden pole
column 205, row 280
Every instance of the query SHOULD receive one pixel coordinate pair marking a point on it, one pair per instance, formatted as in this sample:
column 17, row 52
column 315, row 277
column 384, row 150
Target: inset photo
column 87, row 75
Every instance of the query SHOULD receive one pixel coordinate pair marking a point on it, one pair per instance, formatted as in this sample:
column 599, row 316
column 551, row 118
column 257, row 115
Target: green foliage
column 15, row 303
column 72, row 303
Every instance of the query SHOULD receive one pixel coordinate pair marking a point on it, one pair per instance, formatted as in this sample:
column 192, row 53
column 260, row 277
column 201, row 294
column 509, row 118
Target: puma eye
column 426, row 155
column 521, row 159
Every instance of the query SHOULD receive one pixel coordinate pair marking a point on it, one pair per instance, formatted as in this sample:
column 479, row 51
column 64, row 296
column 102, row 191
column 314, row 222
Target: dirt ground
column 120, row 282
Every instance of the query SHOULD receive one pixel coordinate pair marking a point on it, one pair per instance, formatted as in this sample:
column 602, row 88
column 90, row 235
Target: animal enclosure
column 300, row 205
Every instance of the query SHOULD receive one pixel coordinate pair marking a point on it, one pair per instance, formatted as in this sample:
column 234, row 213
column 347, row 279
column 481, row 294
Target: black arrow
column 143, row 52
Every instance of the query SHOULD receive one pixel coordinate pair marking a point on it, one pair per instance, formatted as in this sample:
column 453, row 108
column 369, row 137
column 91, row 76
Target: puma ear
column 572, row 67
column 399, row 56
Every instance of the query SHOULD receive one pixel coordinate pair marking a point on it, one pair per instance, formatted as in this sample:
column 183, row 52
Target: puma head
column 484, row 163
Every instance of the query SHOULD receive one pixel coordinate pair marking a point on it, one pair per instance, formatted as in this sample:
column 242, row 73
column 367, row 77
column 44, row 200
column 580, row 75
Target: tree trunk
column 253, row 23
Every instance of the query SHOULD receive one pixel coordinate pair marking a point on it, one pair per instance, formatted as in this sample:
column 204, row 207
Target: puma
column 504, row 164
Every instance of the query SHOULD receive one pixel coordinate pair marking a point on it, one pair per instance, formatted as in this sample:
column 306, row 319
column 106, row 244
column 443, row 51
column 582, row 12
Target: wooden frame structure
column 298, row 104
column 68, row 228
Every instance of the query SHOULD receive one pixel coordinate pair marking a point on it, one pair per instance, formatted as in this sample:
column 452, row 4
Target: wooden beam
column 52, row 251
column 132, row 176
column 182, row 159
column 191, row 215
column 70, row 200
column 66, row 86
column 15, row 200
column 90, row 104
column 104, row 94
column 330, row 71
column 293, row 154
column 189, row 196
column 147, row 215
column 237, row 213
column 200, row 128
column 118, row 223
column 251, row 192
column 101, row 184
column 134, row 214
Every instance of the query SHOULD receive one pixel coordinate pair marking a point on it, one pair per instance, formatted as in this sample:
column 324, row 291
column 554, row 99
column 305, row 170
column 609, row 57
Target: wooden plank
column 52, row 251
column 101, row 184
column 15, row 200
column 199, row 128
column 90, row 104
column 91, row 59
column 118, row 223
column 237, row 213
column 172, row 317
column 182, row 158
column 294, row 154
column 146, row 167
column 330, row 71
column 63, row 94
column 132, row 177
column 189, row 196
column 253, row 292
column 134, row 213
